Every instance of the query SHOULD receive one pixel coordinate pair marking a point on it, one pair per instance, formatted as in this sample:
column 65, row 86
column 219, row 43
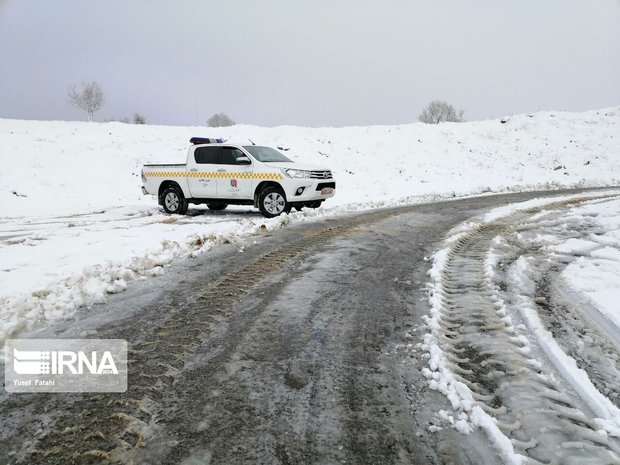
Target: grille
column 323, row 185
column 321, row 174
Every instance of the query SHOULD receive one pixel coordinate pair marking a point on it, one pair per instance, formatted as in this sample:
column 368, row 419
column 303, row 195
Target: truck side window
column 230, row 155
column 206, row 155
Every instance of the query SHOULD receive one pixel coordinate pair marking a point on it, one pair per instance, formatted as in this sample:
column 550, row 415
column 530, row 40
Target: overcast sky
column 309, row 63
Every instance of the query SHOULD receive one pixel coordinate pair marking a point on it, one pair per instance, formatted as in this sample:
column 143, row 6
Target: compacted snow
column 74, row 226
column 547, row 293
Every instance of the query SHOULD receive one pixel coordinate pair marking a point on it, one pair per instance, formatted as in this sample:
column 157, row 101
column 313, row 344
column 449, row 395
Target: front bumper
column 308, row 190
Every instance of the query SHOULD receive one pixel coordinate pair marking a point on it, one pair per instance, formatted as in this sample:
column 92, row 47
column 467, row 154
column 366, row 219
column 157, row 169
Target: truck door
column 202, row 168
column 235, row 179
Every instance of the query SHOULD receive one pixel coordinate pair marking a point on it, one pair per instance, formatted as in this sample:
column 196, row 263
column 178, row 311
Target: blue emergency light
column 205, row 140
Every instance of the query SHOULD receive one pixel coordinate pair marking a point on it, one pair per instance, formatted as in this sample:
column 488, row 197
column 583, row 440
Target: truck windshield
column 265, row 154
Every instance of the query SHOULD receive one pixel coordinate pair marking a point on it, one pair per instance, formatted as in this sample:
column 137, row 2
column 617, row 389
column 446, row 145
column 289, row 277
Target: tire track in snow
column 486, row 368
column 116, row 427
column 585, row 334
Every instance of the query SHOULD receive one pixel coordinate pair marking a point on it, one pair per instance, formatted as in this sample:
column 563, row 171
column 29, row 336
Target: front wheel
column 174, row 201
column 272, row 202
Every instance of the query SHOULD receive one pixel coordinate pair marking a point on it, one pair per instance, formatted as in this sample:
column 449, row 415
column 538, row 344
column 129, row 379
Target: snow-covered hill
column 68, row 167
column 75, row 227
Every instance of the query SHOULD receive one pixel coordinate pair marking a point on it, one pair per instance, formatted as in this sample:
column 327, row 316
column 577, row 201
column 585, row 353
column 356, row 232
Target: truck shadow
column 239, row 212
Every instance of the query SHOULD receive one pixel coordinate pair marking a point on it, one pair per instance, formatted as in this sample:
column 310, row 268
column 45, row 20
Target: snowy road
column 319, row 342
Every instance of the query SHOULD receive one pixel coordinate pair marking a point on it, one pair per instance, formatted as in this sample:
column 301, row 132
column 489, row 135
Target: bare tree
column 89, row 97
column 439, row 111
column 220, row 120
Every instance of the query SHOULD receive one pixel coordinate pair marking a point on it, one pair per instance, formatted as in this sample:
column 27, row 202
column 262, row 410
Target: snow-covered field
column 74, row 226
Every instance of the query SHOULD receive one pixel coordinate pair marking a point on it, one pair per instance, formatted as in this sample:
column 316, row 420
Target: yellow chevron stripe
column 196, row 174
column 164, row 174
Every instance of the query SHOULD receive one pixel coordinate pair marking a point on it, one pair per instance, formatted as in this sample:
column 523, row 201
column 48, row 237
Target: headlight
column 297, row 173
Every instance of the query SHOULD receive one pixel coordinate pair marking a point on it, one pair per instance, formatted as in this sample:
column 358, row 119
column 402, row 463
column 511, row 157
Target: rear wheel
column 272, row 202
column 216, row 206
column 174, row 201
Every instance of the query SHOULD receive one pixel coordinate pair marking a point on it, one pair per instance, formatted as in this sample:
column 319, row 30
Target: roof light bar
column 205, row 140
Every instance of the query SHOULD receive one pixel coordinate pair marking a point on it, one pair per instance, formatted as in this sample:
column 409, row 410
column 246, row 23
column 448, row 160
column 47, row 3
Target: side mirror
column 243, row 161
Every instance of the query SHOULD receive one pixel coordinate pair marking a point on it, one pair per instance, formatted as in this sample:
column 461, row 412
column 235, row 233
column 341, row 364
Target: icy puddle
column 523, row 338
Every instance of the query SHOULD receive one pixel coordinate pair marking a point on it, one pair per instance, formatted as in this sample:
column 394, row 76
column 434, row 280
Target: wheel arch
column 165, row 185
column 262, row 185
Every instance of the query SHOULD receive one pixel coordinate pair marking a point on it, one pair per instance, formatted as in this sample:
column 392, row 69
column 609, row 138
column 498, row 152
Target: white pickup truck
column 220, row 174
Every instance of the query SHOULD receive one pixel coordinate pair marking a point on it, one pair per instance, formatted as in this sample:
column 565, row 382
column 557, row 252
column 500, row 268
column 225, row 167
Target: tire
column 173, row 201
column 272, row 202
column 216, row 207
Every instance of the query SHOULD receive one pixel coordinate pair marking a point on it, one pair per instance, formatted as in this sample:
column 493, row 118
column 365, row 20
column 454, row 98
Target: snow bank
column 52, row 266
